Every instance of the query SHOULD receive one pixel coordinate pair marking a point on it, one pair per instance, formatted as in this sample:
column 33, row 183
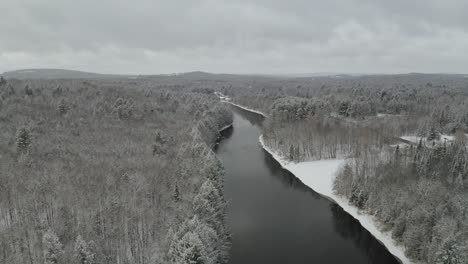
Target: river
column 275, row 218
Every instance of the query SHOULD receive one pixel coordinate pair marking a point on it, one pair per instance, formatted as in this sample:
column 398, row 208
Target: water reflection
column 350, row 228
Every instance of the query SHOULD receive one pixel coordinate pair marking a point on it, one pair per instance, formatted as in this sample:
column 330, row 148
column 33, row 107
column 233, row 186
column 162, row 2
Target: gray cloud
column 243, row 36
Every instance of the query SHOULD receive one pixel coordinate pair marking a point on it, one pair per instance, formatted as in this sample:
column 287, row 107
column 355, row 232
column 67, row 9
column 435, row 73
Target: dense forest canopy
column 112, row 171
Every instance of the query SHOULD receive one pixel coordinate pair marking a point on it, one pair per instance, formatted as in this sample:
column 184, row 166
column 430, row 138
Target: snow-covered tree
column 63, row 107
column 83, row 251
column 23, row 140
column 452, row 252
column 208, row 203
column 53, row 249
column 28, row 91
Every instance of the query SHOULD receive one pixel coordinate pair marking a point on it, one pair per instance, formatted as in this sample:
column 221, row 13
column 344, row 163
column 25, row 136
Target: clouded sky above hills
column 235, row 36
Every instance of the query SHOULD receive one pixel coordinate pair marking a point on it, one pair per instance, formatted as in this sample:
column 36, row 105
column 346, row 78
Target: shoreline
column 324, row 187
column 225, row 127
column 245, row 108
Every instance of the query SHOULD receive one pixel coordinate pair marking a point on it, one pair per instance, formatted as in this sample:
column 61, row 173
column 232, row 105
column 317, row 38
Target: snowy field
column 319, row 176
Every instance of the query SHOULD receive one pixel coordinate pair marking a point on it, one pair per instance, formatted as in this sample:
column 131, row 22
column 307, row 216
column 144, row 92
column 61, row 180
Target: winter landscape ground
column 121, row 170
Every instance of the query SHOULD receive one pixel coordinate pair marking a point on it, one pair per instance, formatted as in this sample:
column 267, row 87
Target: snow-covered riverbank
column 245, row 108
column 224, row 128
column 319, row 176
column 226, row 99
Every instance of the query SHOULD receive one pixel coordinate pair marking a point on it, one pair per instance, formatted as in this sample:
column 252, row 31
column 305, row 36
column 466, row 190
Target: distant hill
column 59, row 74
column 30, row 74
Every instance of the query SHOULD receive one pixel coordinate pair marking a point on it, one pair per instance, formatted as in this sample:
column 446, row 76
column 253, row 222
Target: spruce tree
column 451, row 252
column 176, row 193
column 23, row 140
column 28, row 91
column 63, row 107
column 83, row 252
column 53, row 249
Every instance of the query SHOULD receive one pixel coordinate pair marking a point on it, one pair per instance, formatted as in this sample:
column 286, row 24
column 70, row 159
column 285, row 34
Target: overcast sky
column 235, row 36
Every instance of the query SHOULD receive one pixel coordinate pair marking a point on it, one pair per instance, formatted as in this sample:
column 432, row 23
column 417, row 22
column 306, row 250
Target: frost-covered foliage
column 444, row 97
column 419, row 193
column 53, row 249
column 100, row 171
column 83, row 252
column 23, row 140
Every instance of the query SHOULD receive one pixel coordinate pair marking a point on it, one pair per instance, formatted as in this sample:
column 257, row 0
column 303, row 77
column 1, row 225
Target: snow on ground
column 415, row 139
column 222, row 97
column 246, row 108
column 225, row 127
column 226, row 99
column 384, row 115
column 319, row 175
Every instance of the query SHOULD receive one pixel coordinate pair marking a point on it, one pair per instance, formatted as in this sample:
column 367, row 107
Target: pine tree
column 208, row 203
column 451, row 252
column 176, row 193
column 23, row 140
column 433, row 134
column 28, row 91
column 194, row 242
column 291, row 152
column 53, row 249
column 343, row 110
column 63, row 107
column 83, row 252
column 187, row 250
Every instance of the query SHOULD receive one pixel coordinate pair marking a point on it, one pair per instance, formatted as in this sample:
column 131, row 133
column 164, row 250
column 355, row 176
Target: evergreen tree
column 343, row 109
column 28, row 91
column 433, row 134
column 291, row 152
column 193, row 237
column 188, row 250
column 451, row 252
column 63, row 107
column 23, row 140
column 176, row 193
column 208, row 203
column 53, row 249
column 83, row 252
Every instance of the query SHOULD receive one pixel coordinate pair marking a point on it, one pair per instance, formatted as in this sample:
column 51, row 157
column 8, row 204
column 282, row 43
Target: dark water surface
column 277, row 219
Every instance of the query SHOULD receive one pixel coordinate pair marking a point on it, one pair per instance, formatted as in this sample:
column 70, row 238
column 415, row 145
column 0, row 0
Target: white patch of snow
column 447, row 137
column 319, row 175
column 245, row 108
column 384, row 114
column 226, row 99
column 225, row 127
column 416, row 139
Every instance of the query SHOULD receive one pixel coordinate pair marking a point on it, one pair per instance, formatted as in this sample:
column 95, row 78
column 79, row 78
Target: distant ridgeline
column 110, row 171
column 404, row 138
